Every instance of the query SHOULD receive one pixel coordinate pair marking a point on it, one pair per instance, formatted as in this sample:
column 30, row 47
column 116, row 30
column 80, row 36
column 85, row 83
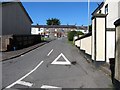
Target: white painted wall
column 112, row 12
column 35, row 31
column 42, row 30
column 77, row 43
column 88, row 45
column 83, row 31
column 119, row 9
column 82, row 44
column 110, row 45
column 93, row 36
column 75, row 37
column 100, row 39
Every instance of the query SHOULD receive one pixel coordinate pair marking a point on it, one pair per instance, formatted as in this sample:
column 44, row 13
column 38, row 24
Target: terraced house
column 56, row 30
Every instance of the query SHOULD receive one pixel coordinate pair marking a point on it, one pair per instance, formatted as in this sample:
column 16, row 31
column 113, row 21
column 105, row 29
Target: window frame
column 106, row 9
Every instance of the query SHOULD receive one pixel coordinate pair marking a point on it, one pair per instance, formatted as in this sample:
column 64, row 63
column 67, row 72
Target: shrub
column 79, row 33
column 71, row 34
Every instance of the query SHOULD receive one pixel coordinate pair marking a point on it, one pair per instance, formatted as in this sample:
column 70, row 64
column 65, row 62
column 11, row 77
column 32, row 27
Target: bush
column 71, row 34
column 79, row 33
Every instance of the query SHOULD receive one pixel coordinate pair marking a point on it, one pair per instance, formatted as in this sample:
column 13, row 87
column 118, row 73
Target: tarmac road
column 36, row 69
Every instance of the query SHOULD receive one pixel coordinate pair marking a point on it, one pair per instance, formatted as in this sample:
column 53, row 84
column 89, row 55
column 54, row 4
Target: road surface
column 49, row 66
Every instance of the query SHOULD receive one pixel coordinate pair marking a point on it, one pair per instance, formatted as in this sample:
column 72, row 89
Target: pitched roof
column 82, row 27
column 54, row 26
column 61, row 26
column 7, row 3
column 98, row 8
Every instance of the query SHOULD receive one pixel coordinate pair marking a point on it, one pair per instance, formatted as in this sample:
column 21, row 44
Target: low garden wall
column 13, row 42
column 84, row 43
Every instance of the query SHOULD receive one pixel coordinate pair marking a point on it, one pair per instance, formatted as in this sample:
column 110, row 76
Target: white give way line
column 48, row 87
column 19, row 81
column 50, row 52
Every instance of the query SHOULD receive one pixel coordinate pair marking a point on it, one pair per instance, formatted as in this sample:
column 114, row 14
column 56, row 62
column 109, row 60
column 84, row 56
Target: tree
column 53, row 21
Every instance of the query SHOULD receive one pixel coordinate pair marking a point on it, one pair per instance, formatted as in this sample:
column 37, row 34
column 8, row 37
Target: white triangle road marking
column 66, row 62
column 47, row 86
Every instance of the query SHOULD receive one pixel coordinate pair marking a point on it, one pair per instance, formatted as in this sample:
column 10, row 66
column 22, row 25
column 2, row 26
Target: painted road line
column 25, row 83
column 66, row 62
column 22, row 55
column 47, row 87
column 50, row 52
column 11, row 85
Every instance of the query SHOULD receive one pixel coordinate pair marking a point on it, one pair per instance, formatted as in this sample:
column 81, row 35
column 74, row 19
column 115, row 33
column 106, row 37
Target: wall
column 77, row 43
column 110, row 46
column 1, row 63
column 112, row 12
column 5, row 41
column 35, row 31
column 117, row 60
column 88, row 45
column 18, row 41
column 14, row 20
column 119, row 9
column 100, row 39
column 84, row 43
column 51, row 31
column 93, row 39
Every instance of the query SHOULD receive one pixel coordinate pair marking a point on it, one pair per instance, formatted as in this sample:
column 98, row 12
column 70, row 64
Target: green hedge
column 71, row 34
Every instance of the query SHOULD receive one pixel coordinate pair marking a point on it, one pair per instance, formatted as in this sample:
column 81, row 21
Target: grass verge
column 71, row 42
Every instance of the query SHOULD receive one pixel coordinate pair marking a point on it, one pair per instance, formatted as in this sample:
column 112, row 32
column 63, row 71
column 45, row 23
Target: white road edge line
column 25, row 75
column 50, row 52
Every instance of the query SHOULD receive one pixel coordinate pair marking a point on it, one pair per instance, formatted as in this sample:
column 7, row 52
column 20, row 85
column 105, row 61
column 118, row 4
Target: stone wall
column 11, row 42
column 4, row 42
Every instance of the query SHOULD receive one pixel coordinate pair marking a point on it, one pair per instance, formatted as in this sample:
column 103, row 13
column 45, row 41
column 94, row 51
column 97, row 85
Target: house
column 15, row 19
column 16, row 26
column 103, row 31
column 109, row 11
column 83, row 29
column 102, row 45
column 56, row 30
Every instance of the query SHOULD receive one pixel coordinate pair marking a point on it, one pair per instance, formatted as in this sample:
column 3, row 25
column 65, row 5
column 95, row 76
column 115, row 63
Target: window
column 39, row 29
column 106, row 9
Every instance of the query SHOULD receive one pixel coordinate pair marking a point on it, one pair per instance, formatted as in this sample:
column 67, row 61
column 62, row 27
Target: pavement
column 13, row 54
column 105, row 67
column 57, row 65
